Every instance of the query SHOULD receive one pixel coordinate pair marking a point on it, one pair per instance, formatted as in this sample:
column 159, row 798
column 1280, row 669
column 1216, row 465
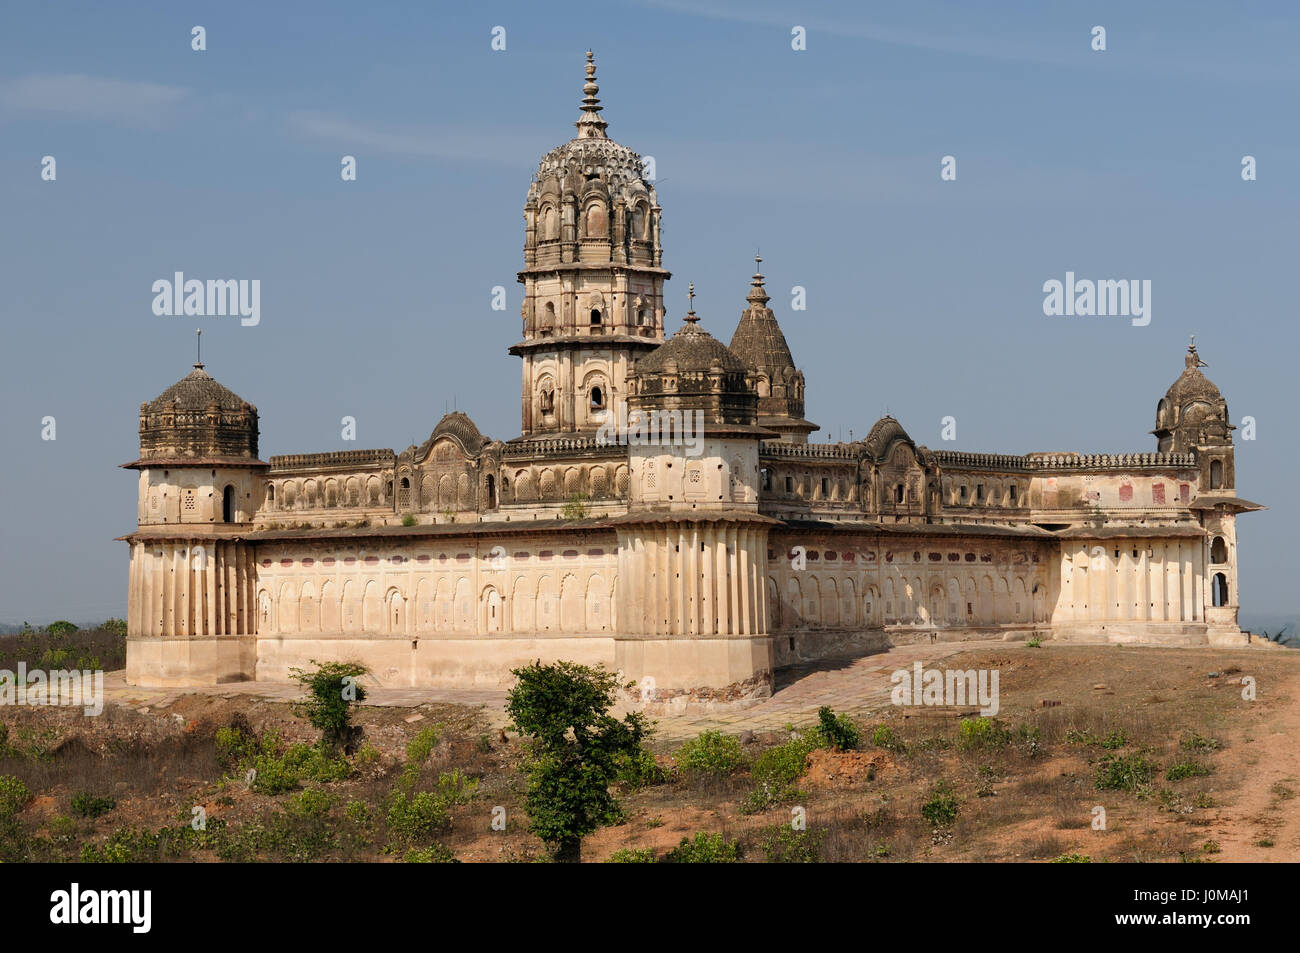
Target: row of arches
column 558, row 602
column 810, row 600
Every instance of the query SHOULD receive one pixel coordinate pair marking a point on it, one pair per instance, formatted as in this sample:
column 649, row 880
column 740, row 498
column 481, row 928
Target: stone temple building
column 698, row 566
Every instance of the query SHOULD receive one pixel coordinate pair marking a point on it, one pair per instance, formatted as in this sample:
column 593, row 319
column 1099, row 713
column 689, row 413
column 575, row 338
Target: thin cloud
column 508, row 149
column 78, row 96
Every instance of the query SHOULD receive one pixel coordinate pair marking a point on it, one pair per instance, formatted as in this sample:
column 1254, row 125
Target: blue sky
column 924, row 297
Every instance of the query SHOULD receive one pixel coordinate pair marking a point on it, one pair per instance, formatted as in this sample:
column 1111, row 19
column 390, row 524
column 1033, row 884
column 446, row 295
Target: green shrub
column 705, row 849
column 639, row 769
column 941, row 809
column 1033, row 643
column 627, row 855
column 85, row 804
column 1195, row 742
column 13, row 795
column 1128, row 772
column 1187, row 769
column 711, row 755
column 982, row 734
column 433, row 854
column 417, row 817
column 783, row 844
column 409, row 520
column 837, row 731
column 573, row 747
column 1073, row 859
column 333, row 688
column 884, row 737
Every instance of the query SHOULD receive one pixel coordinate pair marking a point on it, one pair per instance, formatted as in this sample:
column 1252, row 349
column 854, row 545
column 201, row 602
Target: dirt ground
column 1033, row 797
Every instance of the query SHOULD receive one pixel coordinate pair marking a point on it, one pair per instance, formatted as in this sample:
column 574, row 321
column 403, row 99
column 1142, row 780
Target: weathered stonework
column 697, row 572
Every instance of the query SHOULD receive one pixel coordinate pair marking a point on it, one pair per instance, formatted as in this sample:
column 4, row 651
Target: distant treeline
column 63, row 645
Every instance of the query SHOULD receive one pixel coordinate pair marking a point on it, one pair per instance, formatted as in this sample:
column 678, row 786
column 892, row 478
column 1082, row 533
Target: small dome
column 197, row 390
column 694, row 350
column 459, row 427
column 198, row 420
column 1192, row 412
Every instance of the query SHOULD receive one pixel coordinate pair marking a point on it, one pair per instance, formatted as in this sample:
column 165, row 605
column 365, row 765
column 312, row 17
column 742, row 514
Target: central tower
column 593, row 278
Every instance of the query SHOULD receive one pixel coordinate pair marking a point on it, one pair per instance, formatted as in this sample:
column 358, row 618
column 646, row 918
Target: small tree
column 332, row 691
column 575, row 748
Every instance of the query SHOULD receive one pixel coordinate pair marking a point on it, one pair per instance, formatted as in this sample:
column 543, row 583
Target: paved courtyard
column 854, row 685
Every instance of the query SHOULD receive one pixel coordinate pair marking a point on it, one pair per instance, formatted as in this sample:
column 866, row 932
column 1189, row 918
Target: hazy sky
column 924, row 296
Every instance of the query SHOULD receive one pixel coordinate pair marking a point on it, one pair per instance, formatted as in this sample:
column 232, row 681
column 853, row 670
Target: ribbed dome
column 695, row 351
column 458, row 426
column 1192, row 412
column 591, row 153
column 197, row 390
column 198, row 419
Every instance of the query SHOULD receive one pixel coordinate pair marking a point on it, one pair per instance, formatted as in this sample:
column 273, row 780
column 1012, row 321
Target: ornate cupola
column 1193, row 416
column 198, row 455
column 197, row 420
column 761, row 345
column 593, row 277
column 695, row 371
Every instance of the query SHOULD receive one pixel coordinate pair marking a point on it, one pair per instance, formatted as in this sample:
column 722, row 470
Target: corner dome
column 198, row 421
column 197, row 390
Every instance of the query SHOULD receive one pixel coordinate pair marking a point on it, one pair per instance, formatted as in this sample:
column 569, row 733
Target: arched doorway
column 1220, row 592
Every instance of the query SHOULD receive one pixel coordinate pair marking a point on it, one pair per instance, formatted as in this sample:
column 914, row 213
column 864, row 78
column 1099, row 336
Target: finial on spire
column 198, row 348
column 589, row 124
column 757, row 296
column 691, row 316
column 1193, row 359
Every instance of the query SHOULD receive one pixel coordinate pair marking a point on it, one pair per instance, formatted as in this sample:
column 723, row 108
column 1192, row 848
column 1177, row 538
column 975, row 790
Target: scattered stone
column 746, row 737
column 1099, row 687
column 1213, row 674
column 178, row 718
column 411, row 719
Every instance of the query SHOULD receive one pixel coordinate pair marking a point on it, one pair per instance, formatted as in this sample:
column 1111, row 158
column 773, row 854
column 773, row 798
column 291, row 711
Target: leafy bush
column 1073, row 859
column 982, row 734
column 416, row 817
column 884, row 737
column 775, row 772
column 409, row 520
column 783, row 844
column 941, row 809
column 85, row 804
column 333, row 688
column 628, row 855
column 837, row 731
column 711, row 755
column 639, row 769
column 1034, row 643
column 1195, row 742
column 705, row 849
column 1129, row 772
column 13, row 795
column 574, row 746
column 279, row 768
column 433, row 854
column 1188, row 769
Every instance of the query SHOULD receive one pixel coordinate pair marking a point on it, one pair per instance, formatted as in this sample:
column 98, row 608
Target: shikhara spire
column 590, row 125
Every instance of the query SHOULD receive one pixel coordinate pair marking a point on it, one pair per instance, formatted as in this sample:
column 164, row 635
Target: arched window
column 1218, row 550
column 597, row 399
column 491, row 491
column 270, row 493
column 228, row 505
column 1216, row 474
column 595, row 316
column 546, row 401
column 1220, row 589
column 548, row 317
column 642, row 318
